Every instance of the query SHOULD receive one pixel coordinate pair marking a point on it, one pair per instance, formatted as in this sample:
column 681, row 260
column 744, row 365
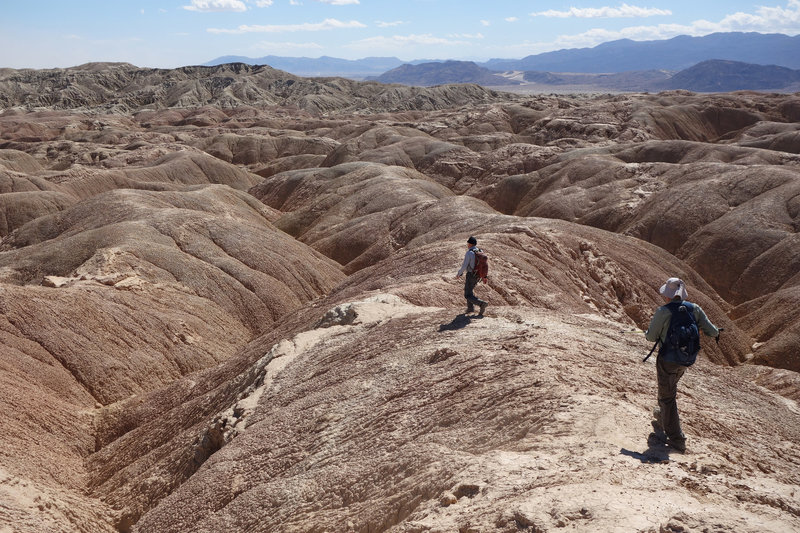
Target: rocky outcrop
column 122, row 87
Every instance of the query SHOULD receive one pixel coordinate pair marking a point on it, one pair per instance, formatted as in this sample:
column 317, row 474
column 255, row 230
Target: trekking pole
column 653, row 349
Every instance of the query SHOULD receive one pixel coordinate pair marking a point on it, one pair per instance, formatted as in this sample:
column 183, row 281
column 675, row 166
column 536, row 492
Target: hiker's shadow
column 657, row 450
column 459, row 322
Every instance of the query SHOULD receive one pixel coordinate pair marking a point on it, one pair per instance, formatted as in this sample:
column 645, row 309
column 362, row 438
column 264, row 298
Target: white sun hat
column 674, row 287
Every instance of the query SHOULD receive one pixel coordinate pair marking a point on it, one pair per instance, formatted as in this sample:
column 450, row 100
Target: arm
column 469, row 261
column 658, row 325
column 704, row 323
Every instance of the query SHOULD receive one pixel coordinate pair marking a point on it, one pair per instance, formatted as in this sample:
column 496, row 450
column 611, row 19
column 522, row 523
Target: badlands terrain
column 228, row 303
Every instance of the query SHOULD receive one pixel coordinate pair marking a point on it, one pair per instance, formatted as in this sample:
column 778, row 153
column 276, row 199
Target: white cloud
column 511, row 19
column 382, row 24
column 264, row 3
column 622, row 11
column 485, row 23
column 295, row 3
column 338, row 2
column 212, row 6
column 466, row 36
column 327, row 24
column 765, row 19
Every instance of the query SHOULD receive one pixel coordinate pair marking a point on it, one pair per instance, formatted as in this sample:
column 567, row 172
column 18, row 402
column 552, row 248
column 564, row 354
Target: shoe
column 677, row 445
column 470, row 309
column 483, row 308
column 657, row 439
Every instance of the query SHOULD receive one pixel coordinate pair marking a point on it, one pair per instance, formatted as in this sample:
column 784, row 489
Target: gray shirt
column 660, row 323
column 469, row 262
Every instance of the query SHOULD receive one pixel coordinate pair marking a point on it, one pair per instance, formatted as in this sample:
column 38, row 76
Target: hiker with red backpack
column 475, row 264
column 676, row 327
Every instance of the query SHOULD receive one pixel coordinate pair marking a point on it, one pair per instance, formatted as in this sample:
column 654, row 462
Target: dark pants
column 469, row 287
column 668, row 376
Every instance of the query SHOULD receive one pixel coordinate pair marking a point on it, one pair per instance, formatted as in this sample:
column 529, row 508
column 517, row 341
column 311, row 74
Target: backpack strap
column 474, row 258
column 653, row 349
column 673, row 309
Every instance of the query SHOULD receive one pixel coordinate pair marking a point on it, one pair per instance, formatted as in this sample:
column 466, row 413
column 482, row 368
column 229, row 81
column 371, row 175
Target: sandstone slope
column 404, row 417
column 119, row 294
column 243, row 316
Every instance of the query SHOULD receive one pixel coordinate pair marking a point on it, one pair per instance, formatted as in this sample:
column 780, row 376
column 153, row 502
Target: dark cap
column 472, row 240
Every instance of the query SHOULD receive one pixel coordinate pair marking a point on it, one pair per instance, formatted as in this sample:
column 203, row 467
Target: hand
column 485, row 280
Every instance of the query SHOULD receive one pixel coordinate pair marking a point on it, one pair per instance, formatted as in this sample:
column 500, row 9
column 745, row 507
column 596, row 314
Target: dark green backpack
column 683, row 338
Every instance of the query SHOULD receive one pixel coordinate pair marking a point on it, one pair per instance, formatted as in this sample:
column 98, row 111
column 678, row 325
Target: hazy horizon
column 149, row 33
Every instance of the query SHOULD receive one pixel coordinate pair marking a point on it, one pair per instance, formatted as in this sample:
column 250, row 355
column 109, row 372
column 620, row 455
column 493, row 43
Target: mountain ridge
column 621, row 55
column 125, row 88
column 719, row 75
column 671, row 54
column 714, row 75
column 438, row 73
column 321, row 66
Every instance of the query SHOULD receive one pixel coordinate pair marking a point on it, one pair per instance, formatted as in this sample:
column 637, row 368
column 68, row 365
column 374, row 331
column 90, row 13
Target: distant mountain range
column 723, row 76
column 320, row 67
column 623, row 55
column 673, row 54
column 440, row 73
column 708, row 76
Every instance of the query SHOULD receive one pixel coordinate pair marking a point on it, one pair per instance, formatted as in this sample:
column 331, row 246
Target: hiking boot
column 470, row 309
column 483, row 308
column 656, row 439
column 679, row 445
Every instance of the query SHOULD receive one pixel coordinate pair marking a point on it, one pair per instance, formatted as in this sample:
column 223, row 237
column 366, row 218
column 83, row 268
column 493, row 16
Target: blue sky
column 148, row 33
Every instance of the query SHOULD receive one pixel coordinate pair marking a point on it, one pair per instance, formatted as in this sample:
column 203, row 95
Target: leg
column 469, row 287
column 668, row 376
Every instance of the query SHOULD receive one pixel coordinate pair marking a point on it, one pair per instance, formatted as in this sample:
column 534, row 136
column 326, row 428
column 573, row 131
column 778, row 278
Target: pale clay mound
column 244, row 317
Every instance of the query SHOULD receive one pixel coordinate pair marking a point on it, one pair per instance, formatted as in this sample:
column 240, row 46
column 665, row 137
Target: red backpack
column 481, row 264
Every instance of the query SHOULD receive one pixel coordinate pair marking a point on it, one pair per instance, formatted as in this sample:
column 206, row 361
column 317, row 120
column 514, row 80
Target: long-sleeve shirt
column 660, row 324
column 469, row 262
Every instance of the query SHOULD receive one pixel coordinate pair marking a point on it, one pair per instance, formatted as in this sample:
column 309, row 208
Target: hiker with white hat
column 676, row 327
